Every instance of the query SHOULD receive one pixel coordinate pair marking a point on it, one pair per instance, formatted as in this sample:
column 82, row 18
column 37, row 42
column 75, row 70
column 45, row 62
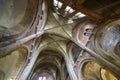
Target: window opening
column 42, row 78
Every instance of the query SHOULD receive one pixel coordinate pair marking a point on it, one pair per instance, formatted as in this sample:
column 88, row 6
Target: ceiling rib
column 88, row 12
column 108, row 6
column 83, row 9
column 79, row 2
column 112, row 17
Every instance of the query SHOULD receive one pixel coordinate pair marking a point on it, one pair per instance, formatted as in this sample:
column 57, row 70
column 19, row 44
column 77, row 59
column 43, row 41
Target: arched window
column 42, row 78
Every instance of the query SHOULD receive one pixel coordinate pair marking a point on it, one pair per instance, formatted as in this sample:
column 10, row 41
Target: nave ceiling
column 41, row 42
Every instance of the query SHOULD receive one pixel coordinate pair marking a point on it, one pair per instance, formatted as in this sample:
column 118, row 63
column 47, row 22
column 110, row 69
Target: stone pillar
column 70, row 69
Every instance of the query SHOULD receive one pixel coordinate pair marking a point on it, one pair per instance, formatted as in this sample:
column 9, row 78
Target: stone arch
column 83, row 31
column 90, row 69
column 52, row 67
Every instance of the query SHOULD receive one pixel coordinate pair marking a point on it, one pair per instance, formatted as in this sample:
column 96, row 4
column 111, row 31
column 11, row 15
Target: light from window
column 67, row 8
column 82, row 15
column 60, row 4
column 55, row 2
column 79, row 14
column 42, row 78
column 71, row 10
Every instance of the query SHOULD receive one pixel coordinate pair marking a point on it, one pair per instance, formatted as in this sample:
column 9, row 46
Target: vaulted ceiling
column 62, row 38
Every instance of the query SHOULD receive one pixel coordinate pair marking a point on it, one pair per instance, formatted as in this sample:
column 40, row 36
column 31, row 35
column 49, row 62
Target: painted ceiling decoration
column 59, row 39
